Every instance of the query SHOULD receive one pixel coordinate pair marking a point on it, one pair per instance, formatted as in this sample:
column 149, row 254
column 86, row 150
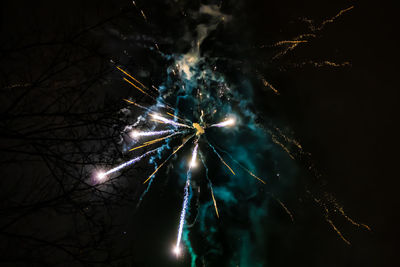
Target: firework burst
column 196, row 102
column 178, row 127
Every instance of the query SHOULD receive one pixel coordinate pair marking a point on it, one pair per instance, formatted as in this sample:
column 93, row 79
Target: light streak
column 130, row 76
column 285, row 208
column 102, row 175
column 141, row 90
column 252, row 174
column 305, row 38
column 137, row 87
column 201, row 116
column 268, row 85
column 194, row 156
column 162, row 138
column 209, row 184
column 186, row 197
column 290, row 42
column 144, row 16
column 243, row 167
column 228, row 122
column 174, row 116
column 335, row 228
column 341, row 12
column 215, row 203
column 155, row 141
column 167, row 121
column 157, row 121
column 222, row 160
column 133, row 103
column 276, row 141
column 325, row 63
column 162, row 164
column 132, row 149
column 137, row 134
column 155, row 88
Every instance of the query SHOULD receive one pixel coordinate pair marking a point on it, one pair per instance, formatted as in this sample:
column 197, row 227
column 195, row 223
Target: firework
column 207, row 109
column 228, row 122
column 102, row 175
column 137, row 134
column 185, row 199
column 161, row 119
column 196, row 129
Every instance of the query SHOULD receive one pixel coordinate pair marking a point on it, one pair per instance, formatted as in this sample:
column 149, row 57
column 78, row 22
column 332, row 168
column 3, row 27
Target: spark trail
column 137, row 134
column 155, row 141
column 167, row 121
column 240, row 165
column 228, row 122
column 102, row 175
column 162, row 164
column 209, row 184
column 185, row 199
column 222, row 160
column 142, row 89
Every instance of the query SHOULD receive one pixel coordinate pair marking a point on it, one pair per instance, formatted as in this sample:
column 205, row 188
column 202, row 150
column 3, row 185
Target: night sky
column 63, row 119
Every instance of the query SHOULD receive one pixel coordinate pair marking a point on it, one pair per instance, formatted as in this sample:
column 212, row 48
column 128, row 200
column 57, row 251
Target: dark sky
column 345, row 117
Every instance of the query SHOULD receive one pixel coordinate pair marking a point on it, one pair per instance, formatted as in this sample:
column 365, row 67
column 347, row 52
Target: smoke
column 196, row 85
column 187, row 63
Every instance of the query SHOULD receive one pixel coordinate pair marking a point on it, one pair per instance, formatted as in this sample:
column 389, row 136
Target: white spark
column 136, row 134
column 167, row 121
column 228, row 122
column 177, row 251
column 100, row 176
column 186, row 197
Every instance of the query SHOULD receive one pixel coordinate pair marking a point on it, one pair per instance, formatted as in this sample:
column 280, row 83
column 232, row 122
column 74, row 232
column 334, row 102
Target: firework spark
column 190, row 131
column 137, row 134
column 167, row 121
column 185, row 199
column 162, row 164
column 222, row 160
column 148, row 143
column 102, row 175
column 225, row 123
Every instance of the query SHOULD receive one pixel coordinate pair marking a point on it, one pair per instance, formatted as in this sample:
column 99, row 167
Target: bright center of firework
column 231, row 121
column 177, row 251
column 194, row 156
column 192, row 164
column 134, row 134
column 199, row 129
column 195, row 131
column 228, row 122
column 101, row 175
